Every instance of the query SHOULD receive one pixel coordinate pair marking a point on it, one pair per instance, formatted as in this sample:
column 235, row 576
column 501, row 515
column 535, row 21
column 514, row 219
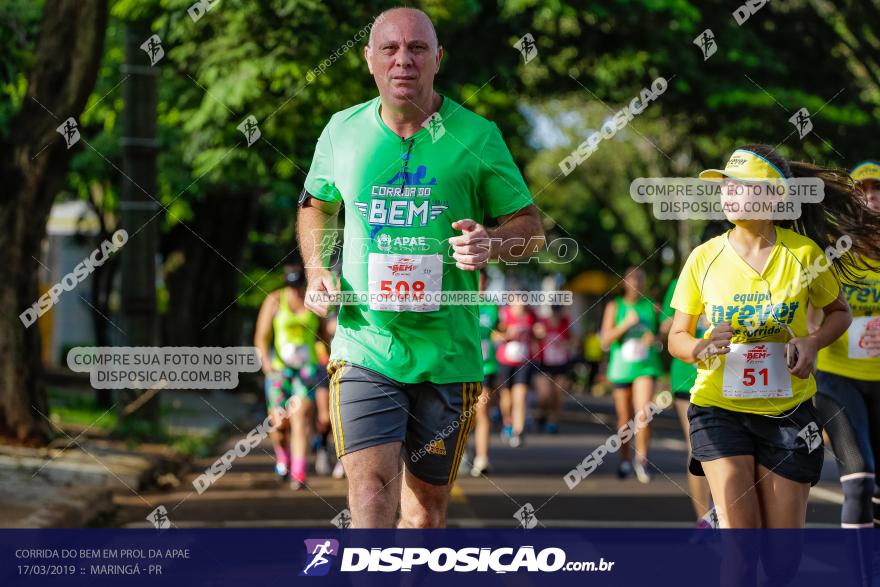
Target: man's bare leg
column 373, row 485
column 422, row 505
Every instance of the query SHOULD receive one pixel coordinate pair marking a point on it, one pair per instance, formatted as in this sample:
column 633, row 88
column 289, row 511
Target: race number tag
column 516, row 352
column 295, row 355
column 634, row 350
column 857, row 331
column 555, row 354
column 399, row 283
column 756, row 371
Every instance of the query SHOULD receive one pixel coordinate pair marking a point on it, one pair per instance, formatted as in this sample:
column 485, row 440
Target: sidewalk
column 71, row 483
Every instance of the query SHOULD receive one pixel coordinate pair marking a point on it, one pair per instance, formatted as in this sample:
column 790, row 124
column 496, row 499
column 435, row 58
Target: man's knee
column 423, row 518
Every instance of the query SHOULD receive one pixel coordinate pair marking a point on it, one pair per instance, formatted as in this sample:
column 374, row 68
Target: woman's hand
column 808, row 348
column 630, row 320
column 717, row 344
column 870, row 341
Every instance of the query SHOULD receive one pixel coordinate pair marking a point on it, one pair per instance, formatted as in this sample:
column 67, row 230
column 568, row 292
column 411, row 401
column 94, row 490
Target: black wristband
column 303, row 197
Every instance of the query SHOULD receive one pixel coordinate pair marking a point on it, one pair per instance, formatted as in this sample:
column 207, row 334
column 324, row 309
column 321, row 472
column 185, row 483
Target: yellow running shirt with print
column 718, row 283
column 846, row 356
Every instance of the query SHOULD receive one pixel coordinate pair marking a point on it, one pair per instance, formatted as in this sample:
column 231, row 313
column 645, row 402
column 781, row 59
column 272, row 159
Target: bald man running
column 417, row 175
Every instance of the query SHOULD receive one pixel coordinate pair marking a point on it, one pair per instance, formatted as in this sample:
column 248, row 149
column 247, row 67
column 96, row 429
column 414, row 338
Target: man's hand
column 322, row 283
column 471, row 250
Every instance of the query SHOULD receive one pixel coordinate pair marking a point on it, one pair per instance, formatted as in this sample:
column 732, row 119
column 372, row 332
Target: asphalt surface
column 530, row 476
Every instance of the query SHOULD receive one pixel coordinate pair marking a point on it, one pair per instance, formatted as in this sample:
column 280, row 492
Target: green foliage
column 264, row 58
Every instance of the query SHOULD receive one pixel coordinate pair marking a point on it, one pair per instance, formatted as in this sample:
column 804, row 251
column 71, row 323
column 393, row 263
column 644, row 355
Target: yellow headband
column 866, row 170
column 745, row 166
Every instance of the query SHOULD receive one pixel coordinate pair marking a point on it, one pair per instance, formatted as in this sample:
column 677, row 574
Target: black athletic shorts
column 790, row 446
column 432, row 420
column 546, row 369
column 510, row 375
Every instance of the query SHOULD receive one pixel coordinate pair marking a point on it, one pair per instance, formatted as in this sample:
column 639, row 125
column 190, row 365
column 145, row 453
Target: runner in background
column 754, row 432
column 554, row 364
column 489, row 335
column 516, row 324
column 848, row 383
column 682, row 377
column 593, row 355
column 322, row 402
column 629, row 328
column 291, row 371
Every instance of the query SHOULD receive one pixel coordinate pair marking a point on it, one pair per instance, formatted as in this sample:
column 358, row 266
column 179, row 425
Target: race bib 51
column 756, row 371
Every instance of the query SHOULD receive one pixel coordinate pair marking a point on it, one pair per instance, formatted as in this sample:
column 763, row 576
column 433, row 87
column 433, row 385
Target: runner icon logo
column 159, row 518
column 527, row 47
column 434, row 124
column 318, row 552
column 706, row 42
column 801, row 121
column 342, row 519
column 526, row 516
column 810, row 434
column 69, row 130
column 153, row 48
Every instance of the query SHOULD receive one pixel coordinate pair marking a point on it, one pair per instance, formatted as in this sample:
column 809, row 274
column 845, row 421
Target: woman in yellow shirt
column 754, row 432
column 848, row 381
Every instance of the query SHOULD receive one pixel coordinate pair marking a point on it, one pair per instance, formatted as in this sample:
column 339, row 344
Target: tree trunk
column 33, row 163
column 203, row 284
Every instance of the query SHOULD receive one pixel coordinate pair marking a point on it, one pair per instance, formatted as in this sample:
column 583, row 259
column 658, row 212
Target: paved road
column 248, row 496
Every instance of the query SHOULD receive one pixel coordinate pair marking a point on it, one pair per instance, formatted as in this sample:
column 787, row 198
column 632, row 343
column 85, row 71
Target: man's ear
column 439, row 58
column 367, row 56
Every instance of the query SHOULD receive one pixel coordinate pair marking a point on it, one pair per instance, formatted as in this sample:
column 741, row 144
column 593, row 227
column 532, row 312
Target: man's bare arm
column 517, row 236
column 316, row 220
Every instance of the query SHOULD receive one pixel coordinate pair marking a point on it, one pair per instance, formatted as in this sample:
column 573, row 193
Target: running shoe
column 481, row 467
column 552, row 428
column 322, row 462
column 642, row 472
column 624, row 469
column 703, row 524
column 541, row 422
column 515, row 440
column 338, row 471
column 464, row 466
column 281, row 472
column 507, row 432
column 296, row 484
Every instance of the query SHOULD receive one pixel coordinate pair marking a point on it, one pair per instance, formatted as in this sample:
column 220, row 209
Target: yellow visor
column 745, row 166
column 866, row 170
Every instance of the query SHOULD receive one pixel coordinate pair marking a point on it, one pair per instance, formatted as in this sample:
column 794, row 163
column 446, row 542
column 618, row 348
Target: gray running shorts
column 432, row 420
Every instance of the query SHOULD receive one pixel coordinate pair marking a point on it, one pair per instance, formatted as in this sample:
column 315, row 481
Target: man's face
column 403, row 57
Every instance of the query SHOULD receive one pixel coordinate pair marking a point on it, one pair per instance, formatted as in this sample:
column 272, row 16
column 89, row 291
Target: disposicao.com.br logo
column 442, row 560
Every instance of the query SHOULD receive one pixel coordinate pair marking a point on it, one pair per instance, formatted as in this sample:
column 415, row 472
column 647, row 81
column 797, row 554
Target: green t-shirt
column 629, row 358
column 681, row 375
column 488, row 323
column 401, row 198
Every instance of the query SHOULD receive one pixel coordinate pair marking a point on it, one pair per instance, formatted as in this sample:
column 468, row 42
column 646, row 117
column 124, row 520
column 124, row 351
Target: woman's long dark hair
column 844, row 211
